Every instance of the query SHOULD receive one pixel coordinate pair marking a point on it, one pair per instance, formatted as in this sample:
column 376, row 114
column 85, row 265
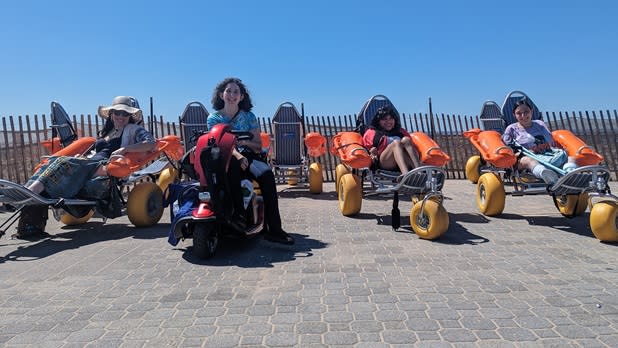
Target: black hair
column 520, row 102
column 383, row 112
column 218, row 103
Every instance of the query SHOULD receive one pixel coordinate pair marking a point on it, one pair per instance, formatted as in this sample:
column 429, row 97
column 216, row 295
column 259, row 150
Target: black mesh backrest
column 369, row 109
column 491, row 117
column 61, row 125
column 193, row 121
column 509, row 102
column 288, row 147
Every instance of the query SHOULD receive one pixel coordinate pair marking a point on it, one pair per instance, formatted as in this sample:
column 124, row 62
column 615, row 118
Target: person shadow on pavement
column 74, row 237
column 254, row 252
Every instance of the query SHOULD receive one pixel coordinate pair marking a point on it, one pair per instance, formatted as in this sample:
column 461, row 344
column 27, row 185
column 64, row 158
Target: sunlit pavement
column 525, row 279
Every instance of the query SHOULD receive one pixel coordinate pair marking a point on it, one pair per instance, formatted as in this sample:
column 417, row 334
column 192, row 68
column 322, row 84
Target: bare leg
column 527, row 163
column 394, row 156
column 36, row 186
column 540, row 171
column 411, row 150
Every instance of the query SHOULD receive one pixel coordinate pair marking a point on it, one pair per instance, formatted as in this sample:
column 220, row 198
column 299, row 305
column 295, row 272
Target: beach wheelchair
column 355, row 176
column 496, row 167
column 293, row 149
column 129, row 194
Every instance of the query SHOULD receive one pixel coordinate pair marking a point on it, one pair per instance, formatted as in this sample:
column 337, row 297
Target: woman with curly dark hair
column 232, row 103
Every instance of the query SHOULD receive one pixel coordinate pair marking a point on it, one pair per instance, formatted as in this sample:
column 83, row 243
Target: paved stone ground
column 528, row 278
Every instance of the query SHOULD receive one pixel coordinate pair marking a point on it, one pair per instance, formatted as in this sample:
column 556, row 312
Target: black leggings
column 269, row 193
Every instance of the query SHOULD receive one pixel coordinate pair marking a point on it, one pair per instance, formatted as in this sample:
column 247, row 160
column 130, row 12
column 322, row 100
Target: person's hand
column 373, row 153
column 244, row 162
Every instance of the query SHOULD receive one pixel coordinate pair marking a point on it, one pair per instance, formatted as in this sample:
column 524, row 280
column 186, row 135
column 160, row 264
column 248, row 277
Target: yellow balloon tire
column 292, row 180
column 490, row 195
column 71, row 220
column 572, row 205
column 473, row 171
column 350, row 194
column 431, row 222
column 339, row 171
column 167, row 176
column 315, row 178
column 145, row 204
column 603, row 221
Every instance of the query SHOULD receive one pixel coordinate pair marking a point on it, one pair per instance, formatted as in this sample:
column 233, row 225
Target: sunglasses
column 383, row 111
column 120, row 113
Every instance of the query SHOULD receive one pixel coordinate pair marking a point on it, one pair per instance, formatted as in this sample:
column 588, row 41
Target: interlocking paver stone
column 527, row 278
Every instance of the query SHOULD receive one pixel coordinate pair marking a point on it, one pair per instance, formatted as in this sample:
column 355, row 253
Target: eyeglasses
column 120, row 113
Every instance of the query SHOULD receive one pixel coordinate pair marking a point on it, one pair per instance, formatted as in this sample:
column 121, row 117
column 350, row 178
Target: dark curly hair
column 383, row 112
column 218, row 103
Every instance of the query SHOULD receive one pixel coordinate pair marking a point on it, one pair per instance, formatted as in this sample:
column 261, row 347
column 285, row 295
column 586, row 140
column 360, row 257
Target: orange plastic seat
column 492, row 148
column 132, row 161
column 575, row 147
column 316, row 144
column 348, row 146
column 429, row 150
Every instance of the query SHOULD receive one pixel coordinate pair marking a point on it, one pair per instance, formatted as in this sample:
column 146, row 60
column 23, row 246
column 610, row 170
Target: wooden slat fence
column 20, row 136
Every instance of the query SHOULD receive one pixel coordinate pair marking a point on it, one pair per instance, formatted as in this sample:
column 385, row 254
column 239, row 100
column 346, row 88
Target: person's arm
column 405, row 134
column 368, row 144
column 547, row 133
column 255, row 144
column 368, row 140
column 507, row 137
column 143, row 142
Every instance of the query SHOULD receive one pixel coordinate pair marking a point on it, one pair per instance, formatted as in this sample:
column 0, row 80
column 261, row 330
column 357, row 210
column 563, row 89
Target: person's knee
column 527, row 162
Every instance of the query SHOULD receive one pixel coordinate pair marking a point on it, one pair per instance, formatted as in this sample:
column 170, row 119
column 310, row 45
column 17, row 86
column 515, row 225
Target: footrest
column 417, row 181
column 583, row 179
column 154, row 168
column 17, row 194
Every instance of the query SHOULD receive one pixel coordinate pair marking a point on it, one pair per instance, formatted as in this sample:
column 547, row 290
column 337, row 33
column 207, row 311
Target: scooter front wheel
column 205, row 239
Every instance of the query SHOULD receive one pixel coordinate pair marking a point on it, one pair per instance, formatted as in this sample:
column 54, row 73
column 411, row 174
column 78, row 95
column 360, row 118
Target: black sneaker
column 282, row 238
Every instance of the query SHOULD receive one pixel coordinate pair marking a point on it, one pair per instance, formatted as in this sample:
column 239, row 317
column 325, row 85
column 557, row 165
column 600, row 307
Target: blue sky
column 329, row 55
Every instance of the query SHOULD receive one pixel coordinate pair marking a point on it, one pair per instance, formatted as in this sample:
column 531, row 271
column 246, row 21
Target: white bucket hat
column 122, row 103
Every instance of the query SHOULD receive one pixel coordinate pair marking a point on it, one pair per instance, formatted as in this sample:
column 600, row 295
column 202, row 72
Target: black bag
column 33, row 217
column 186, row 166
column 111, row 206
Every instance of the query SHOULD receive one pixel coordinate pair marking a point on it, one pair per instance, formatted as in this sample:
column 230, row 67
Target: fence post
column 431, row 120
